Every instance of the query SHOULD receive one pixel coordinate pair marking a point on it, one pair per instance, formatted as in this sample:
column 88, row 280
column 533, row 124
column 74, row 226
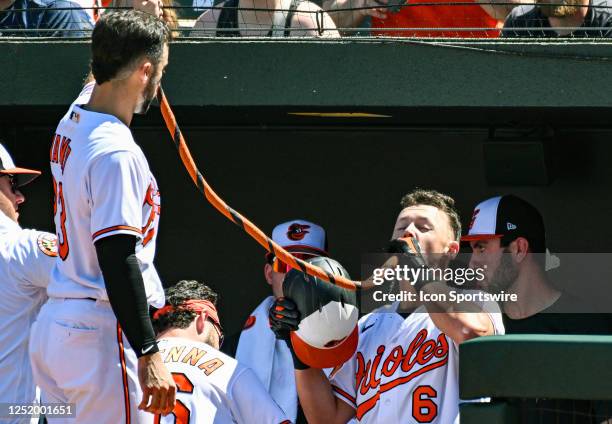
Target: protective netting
column 325, row 18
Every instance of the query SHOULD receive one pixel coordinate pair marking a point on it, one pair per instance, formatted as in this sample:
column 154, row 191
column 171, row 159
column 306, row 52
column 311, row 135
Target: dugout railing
column 536, row 378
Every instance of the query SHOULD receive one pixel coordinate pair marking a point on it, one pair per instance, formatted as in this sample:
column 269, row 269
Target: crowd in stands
column 326, row 18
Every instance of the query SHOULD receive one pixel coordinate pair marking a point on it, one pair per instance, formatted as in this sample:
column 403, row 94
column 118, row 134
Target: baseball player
column 93, row 343
column 257, row 346
column 211, row 386
column 405, row 368
column 26, row 260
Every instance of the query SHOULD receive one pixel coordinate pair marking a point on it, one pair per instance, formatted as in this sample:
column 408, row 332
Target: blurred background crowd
column 325, row 18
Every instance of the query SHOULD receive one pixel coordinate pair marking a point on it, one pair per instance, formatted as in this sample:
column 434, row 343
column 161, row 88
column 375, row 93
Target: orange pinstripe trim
column 343, row 393
column 126, row 395
column 115, row 228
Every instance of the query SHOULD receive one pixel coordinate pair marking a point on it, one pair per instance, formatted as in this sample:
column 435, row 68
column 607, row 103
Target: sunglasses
column 12, row 182
column 283, row 268
column 219, row 332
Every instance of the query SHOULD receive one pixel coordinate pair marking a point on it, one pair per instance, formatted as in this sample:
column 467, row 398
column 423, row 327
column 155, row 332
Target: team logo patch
column 47, row 243
column 249, row 322
column 297, row 232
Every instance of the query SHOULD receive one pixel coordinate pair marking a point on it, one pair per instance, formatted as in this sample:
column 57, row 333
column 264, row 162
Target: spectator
column 202, row 4
column 165, row 7
column 281, row 18
column 353, row 19
column 484, row 19
column 562, row 18
column 256, row 346
column 43, row 18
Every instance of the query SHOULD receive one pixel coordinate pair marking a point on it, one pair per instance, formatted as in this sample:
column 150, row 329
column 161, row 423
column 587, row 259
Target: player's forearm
column 316, row 397
column 460, row 324
column 126, row 292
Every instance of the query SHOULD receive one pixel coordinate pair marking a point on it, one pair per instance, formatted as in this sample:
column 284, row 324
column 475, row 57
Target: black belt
column 81, row 298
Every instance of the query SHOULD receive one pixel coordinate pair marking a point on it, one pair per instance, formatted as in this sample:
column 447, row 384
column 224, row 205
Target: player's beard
column 558, row 8
column 148, row 95
column 504, row 276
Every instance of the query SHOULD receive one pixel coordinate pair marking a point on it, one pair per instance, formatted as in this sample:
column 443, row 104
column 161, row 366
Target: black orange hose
column 250, row 228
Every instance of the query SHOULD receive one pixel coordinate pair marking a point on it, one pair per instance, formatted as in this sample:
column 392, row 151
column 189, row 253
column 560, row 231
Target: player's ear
column 453, row 248
column 268, row 273
column 201, row 322
column 519, row 248
column 146, row 71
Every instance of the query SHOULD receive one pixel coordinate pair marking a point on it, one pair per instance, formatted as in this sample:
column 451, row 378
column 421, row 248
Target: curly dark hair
column 436, row 199
column 122, row 37
column 175, row 296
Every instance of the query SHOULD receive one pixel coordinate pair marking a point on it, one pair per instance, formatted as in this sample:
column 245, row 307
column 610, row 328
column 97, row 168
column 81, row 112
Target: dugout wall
column 346, row 172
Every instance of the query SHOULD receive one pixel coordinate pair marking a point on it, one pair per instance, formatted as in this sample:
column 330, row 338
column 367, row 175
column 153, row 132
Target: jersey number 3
column 181, row 412
column 424, row 409
column 60, row 206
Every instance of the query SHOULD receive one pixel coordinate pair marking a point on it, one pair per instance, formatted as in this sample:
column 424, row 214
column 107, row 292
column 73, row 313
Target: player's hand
column 152, row 7
column 284, row 317
column 410, row 250
column 157, row 384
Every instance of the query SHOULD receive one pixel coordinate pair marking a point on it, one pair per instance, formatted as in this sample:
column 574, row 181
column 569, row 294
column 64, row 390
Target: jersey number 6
column 424, row 409
column 181, row 412
column 58, row 194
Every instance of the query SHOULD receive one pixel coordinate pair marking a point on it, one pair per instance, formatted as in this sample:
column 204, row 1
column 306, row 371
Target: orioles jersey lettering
column 404, row 370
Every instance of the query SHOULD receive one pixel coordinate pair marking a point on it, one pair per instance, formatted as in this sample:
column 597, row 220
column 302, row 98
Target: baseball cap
column 23, row 176
column 507, row 218
column 301, row 236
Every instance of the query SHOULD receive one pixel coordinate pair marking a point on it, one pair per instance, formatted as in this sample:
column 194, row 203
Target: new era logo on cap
column 510, row 226
column 300, row 235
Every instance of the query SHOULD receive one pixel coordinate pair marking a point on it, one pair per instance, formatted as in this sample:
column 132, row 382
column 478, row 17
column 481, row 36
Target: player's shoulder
column 113, row 143
column 375, row 324
column 95, row 133
column 23, row 243
column 482, row 299
column 182, row 348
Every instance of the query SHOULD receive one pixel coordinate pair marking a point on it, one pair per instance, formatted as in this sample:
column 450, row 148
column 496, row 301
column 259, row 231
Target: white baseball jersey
column 404, row 370
column 103, row 186
column 26, row 260
column 214, row 388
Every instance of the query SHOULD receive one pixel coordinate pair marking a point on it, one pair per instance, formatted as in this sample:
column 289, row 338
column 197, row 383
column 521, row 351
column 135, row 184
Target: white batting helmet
column 327, row 335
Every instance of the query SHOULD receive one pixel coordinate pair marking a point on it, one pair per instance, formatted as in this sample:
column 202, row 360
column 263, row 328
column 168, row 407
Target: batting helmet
column 327, row 334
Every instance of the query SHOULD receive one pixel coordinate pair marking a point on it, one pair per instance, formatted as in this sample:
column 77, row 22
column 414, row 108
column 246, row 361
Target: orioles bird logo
column 297, row 232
